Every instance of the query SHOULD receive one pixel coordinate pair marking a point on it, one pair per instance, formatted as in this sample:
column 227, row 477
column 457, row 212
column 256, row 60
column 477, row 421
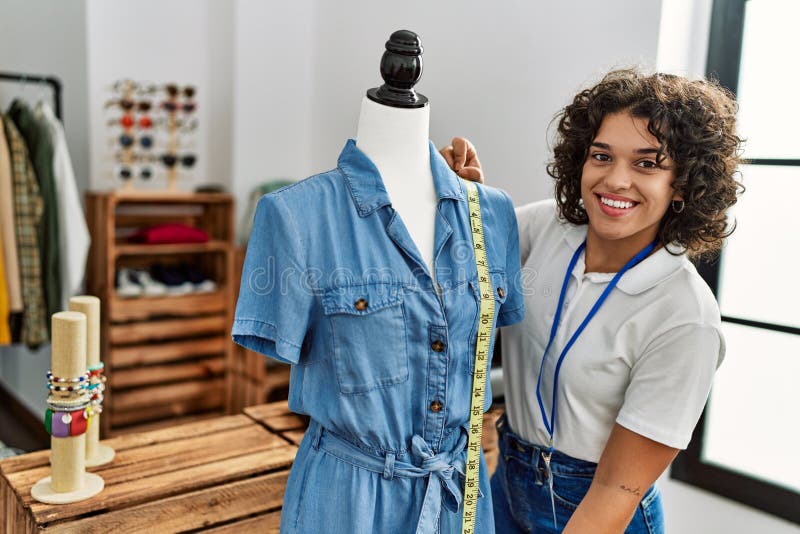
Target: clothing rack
column 52, row 81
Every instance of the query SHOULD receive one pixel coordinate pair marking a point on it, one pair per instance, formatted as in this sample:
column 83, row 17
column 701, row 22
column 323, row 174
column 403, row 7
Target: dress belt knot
column 442, row 488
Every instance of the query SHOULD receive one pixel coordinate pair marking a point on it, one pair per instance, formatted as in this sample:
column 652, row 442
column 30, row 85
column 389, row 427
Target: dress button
column 437, row 346
column 436, row 406
column 500, row 292
column 361, row 304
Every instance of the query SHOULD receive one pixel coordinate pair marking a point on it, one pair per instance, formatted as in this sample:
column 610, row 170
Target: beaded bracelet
column 56, row 380
column 79, row 387
column 97, row 385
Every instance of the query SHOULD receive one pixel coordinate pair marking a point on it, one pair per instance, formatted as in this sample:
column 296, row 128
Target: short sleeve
column 274, row 305
column 671, row 382
column 513, row 309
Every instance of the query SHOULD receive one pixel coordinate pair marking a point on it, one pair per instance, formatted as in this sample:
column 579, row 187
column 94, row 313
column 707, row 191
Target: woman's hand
column 463, row 159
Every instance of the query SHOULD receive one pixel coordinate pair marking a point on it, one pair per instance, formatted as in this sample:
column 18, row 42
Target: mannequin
column 393, row 133
column 382, row 366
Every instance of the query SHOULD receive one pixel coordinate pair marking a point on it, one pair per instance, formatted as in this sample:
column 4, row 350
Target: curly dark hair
column 695, row 123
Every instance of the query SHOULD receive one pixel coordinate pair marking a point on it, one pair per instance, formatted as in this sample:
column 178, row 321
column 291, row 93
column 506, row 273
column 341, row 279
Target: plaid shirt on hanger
column 28, row 210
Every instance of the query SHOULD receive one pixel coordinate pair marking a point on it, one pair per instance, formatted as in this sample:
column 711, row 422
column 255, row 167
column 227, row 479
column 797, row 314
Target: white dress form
column 396, row 141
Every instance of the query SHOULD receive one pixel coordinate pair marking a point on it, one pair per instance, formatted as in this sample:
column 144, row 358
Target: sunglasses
column 125, row 172
column 129, row 105
column 186, row 107
column 128, row 141
column 187, row 160
column 127, row 121
column 173, row 90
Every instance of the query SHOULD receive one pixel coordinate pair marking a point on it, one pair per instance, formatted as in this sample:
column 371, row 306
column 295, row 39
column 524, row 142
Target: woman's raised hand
column 463, row 159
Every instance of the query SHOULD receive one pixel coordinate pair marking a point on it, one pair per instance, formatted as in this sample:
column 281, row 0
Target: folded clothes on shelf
column 162, row 280
column 169, row 233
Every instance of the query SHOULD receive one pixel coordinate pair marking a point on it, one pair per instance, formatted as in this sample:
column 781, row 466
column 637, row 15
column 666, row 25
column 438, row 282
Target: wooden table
column 224, row 475
column 228, row 473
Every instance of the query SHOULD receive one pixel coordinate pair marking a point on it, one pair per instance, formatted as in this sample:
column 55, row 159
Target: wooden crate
column 253, row 378
column 166, row 357
column 226, row 474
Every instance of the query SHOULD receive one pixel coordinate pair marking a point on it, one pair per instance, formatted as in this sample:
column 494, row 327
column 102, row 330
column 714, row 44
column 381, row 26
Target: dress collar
column 366, row 184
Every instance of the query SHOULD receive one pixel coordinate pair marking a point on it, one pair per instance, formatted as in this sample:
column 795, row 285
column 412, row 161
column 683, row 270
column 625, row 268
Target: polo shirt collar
column 366, row 184
column 648, row 273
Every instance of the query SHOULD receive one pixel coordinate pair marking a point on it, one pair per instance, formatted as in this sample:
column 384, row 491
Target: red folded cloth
column 169, row 233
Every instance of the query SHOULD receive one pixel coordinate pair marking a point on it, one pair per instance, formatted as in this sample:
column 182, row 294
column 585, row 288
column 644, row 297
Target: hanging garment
column 40, row 147
column 73, row 234
column 7, row 226
column 28, row 211
column 333, row 284
column 5, row 333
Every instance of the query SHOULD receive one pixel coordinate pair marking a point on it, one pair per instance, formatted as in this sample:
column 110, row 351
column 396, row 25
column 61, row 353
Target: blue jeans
column 522, row 498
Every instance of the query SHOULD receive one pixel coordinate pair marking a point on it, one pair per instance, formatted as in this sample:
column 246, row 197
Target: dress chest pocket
column 368, row 334
column 498, row 287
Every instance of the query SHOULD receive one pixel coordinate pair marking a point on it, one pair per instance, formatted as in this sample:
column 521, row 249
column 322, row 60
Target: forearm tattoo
column 634, row 491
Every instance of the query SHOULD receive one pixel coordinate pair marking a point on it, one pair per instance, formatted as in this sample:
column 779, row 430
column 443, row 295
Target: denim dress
column 382, row 356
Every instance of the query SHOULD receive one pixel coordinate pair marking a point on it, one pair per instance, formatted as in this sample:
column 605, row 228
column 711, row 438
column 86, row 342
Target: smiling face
column 625, row 191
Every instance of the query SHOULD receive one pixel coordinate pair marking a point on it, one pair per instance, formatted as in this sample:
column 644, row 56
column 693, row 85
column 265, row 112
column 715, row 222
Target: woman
column 607, row 375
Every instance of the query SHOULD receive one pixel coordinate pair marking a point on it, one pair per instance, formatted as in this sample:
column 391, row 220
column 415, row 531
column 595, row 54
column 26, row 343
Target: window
column 747, row 444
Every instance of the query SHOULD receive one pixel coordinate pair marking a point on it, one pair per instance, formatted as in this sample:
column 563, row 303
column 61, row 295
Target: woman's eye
column 599, row 156
column 647, row 164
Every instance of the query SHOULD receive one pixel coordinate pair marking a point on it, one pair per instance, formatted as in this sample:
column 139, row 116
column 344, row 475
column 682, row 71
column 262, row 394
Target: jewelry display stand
column 69, row 481
column 96, row 454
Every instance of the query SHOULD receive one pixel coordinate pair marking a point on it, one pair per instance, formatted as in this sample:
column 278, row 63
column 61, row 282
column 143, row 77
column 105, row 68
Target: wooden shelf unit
column 167, row 357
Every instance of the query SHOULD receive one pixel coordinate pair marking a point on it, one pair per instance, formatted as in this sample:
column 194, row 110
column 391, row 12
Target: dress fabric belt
column 443, row 487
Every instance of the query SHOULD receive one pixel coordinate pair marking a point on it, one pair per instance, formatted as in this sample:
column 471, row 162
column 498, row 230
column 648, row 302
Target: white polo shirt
column 646, row 360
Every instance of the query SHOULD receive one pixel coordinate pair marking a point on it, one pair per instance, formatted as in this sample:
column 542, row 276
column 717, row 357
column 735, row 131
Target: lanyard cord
column 551, row 423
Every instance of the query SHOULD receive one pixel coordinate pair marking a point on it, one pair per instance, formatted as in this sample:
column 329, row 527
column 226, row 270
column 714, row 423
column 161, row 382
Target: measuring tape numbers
column 481, row 362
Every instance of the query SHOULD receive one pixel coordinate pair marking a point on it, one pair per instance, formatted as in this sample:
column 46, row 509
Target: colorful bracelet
column 67, row 424
column 56, row 380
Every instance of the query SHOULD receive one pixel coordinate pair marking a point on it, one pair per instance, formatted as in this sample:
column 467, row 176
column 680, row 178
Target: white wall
column 48, row 37
column 188, row 42
column 493, row 72
column 274, row 52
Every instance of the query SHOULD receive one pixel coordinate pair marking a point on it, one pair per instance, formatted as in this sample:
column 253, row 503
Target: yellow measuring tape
column 481, row 361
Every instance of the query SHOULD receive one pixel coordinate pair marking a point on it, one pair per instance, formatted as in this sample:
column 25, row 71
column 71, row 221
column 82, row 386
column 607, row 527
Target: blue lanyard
column 550, row 424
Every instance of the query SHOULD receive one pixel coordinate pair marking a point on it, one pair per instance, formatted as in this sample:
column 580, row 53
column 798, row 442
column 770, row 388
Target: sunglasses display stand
column 69, row 482
column 127, row 151
column 172, row 144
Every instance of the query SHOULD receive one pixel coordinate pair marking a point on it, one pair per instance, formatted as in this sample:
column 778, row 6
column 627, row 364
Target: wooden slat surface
column 161, row 374
column 219, row 473
column 129, row 249
column 166, row 329
column 167, row 423
column 193, row 510
column 268, row 523
column 209, row 401
column 166, row 352
column 276, row 417
column 144, row 308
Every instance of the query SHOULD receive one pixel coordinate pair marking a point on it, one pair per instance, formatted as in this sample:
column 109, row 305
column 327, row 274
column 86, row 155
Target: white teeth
column 620, row 204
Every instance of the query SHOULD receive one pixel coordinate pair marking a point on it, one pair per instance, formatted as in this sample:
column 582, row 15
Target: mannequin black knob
column 401, row 69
